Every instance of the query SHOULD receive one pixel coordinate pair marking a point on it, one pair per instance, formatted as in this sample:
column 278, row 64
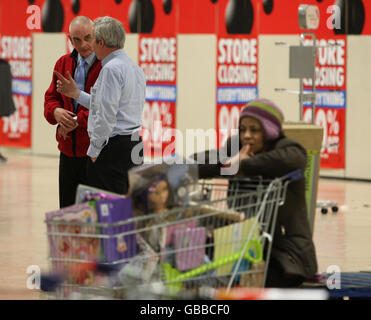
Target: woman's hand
column 245, row 152
column 235, row 162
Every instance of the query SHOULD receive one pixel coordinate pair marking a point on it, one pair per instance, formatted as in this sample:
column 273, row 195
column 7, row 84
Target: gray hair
column 80, row 20
column 111, row 31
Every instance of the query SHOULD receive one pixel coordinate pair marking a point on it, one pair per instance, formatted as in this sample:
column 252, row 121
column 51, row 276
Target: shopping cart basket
column 222, row 238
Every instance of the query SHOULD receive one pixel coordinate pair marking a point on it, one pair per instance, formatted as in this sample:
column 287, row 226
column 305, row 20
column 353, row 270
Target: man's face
column 81, row 37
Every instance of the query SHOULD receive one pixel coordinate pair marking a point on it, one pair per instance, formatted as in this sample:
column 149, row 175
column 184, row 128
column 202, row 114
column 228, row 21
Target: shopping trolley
column 221, row 239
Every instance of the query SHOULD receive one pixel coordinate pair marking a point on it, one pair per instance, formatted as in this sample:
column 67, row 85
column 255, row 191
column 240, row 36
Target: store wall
column 196, row 88
column 358, row 151
column 274, row 73
column 44, row 59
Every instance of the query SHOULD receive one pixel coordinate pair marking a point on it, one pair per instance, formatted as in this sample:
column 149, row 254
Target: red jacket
column 77, row 144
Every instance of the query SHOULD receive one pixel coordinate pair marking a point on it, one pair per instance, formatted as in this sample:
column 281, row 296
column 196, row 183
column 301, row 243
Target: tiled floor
column 29, row 188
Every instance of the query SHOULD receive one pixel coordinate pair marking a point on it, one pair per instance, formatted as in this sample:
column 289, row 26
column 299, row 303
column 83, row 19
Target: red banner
column 15, row 130
column 330, row 100
column 157, row 58
column 237, row 81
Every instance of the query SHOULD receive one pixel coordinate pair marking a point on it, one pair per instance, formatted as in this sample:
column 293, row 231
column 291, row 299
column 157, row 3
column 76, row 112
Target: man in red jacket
column 70, row 117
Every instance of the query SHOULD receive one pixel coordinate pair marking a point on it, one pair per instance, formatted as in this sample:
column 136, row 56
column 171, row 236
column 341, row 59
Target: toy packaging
column 159, row 187
column 167, row 239
column 184, row 241
column 67, row 247
column 112, row 211
column 86, row 193
column 231, row 238
column 73, row 247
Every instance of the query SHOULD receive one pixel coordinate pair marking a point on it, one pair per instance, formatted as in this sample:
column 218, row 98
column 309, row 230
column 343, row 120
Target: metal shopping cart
column 221, row 239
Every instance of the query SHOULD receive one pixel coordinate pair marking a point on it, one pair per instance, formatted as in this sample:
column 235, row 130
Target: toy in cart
column 223, row 241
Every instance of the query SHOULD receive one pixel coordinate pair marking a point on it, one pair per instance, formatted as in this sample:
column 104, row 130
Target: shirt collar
column 112, row 55
column 89, row 60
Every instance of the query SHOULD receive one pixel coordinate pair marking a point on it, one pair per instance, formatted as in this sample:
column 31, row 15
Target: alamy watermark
column 33, row 21
column 194, row 139
column 34, row 279
column 334, row 277
column 334, row 20
column 333, row 280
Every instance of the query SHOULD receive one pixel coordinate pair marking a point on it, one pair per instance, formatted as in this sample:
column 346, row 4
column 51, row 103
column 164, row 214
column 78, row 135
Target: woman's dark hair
column 140, row 195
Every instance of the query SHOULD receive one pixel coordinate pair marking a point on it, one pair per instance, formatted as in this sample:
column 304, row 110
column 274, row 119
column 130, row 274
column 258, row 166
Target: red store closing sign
column 237, row 81
column 15, row 130
column 330, row 100
column 157, row 58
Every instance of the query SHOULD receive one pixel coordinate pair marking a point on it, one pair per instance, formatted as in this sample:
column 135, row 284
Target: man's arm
column 286, row 157
column 54, row 111
column 52, row 100
column 103, row 109
column 67, row 86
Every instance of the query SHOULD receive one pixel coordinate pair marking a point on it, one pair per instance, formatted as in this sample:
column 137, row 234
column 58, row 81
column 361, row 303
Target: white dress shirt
column 116, row 101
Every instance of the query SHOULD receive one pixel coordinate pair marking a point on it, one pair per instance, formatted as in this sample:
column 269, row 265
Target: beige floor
column 28, row 189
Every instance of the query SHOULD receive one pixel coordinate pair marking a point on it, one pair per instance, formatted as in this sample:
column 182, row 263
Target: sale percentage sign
column 167, row 118
column 334, row 126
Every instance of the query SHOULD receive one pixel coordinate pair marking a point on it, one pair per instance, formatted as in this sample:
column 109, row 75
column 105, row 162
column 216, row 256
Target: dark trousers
column 72, row 172
column 277, row 279
column 110, row 171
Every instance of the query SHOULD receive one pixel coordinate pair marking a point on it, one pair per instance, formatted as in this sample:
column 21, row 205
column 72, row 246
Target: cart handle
column 295, row 175
column 172, row 274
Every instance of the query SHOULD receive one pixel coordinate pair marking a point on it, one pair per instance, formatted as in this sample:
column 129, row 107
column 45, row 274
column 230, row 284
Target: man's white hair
column 111, row 31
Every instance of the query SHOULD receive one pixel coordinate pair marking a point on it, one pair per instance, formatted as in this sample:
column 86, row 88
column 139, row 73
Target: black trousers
column 110, row 170
column 277, row 279
column 72, row 172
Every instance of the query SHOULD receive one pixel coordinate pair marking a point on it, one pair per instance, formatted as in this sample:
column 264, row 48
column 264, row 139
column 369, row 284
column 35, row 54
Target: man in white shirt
column 115, row 108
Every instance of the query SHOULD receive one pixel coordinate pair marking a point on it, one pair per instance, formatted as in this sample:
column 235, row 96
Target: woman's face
column 252, row 133
column 158, row 197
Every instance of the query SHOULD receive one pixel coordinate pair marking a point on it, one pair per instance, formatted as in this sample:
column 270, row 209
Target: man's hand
column 65, row 118
column 93, row 159
column 67, row 86
column 62, row 132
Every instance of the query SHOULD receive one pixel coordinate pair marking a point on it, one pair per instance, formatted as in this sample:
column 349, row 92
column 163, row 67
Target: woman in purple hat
column 263, row 150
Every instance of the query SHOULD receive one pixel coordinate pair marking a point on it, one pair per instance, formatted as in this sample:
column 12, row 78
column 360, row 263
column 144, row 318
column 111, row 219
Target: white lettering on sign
column 21, row 68
column 237, row 74
column 16, row 47
column 18, row 123
column 159, row 71
column 158, row 50
column 331, row 60
column 237, row 60
column 227, row 122
column 328, row 77
column 331, row 52
column 237, row 51
column 157, row 59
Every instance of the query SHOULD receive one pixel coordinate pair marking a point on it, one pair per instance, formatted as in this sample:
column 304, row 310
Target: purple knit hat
column 270, row 116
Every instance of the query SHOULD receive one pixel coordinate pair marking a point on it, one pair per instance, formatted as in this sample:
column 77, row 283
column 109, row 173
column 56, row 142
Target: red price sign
column 227, row 122
column 333, row 123
column 158, row 127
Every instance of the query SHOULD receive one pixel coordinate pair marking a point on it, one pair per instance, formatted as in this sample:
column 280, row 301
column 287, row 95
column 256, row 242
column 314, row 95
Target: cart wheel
column 324, row 210
column 335, row 209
